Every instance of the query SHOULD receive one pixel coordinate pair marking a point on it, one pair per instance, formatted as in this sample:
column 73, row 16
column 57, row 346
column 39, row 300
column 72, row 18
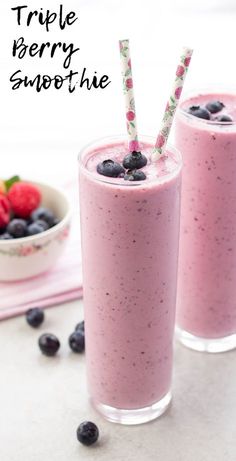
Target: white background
column 41, row 133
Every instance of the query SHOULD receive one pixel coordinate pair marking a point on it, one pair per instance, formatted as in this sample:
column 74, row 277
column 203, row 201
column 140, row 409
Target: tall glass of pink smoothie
column 130, row 233
column 206, row 299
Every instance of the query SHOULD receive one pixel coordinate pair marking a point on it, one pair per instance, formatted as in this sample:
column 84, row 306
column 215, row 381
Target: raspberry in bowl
column 34, row 228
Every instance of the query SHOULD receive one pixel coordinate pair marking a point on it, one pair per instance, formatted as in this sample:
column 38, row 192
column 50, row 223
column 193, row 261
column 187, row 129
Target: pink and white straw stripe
column 172, row 104
column 128, row 91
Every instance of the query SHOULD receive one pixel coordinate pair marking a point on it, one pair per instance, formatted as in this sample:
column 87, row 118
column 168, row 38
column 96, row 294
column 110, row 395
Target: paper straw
column 126, row 71
column 172, row 104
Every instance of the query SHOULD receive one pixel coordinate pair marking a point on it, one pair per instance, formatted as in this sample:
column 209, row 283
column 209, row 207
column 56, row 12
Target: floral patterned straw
column 172, row 104
column 126, row 71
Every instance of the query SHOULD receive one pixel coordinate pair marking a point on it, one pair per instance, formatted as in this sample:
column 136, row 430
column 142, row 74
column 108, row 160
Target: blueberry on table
column 80, row 326
column 76, row 341
column 110, row 168
column 17, row 228
column 224, row 118
column 199, row 112
column 87, row 433
column 35, row 228
column 214, row 106
column 133, row 175
column 48, row 344
column 35, row 317
column 134, row 161
column 43, row 214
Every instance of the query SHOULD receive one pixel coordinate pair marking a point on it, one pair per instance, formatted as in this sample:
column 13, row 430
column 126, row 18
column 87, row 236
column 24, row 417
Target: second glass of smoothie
column 130, row 233
column 206, row 298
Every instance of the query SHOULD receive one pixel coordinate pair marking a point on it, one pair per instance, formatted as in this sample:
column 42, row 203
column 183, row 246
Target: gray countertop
column 43, row 400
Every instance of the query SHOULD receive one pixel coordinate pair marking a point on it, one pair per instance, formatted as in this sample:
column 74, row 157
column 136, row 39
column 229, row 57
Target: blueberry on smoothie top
column 224, row 118
column 214, row 106
column 133, row 175
column 199, row 112
column 110, row 168
column 134, row 160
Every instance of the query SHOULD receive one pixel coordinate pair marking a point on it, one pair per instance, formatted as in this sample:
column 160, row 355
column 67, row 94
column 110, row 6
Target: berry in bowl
column 34, row 227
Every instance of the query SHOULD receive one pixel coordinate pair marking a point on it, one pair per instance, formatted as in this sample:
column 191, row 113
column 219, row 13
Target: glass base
column 214, row 345
column 136, row 416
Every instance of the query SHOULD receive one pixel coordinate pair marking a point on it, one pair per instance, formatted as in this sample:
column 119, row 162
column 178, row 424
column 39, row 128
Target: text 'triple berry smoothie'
column 130, row 232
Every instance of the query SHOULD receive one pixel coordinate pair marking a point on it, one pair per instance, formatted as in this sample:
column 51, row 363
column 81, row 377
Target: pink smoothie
column 130, row 247
column 206, row 299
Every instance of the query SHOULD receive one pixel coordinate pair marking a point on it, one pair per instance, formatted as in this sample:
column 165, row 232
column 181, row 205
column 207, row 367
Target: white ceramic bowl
column 30, row 256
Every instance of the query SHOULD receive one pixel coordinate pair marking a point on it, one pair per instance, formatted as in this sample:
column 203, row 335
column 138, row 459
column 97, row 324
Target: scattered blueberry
column 80, row 326
column 76, row 341
column 43, row 214
column 224, row 118
column 35, row 228
column 133, row 175
column 199, row 112
column 110, row 168
column 134, row 161
column 87, row 433
column 35, row 317
column 17, row 228
column 214, row 106
column 6, row 236
column 48, row 344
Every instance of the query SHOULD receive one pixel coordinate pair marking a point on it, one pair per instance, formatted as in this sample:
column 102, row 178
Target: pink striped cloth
column 63, row 283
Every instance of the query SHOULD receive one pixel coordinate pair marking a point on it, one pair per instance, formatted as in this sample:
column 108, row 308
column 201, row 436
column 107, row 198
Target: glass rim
column 123, row 137
column 201, row 92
